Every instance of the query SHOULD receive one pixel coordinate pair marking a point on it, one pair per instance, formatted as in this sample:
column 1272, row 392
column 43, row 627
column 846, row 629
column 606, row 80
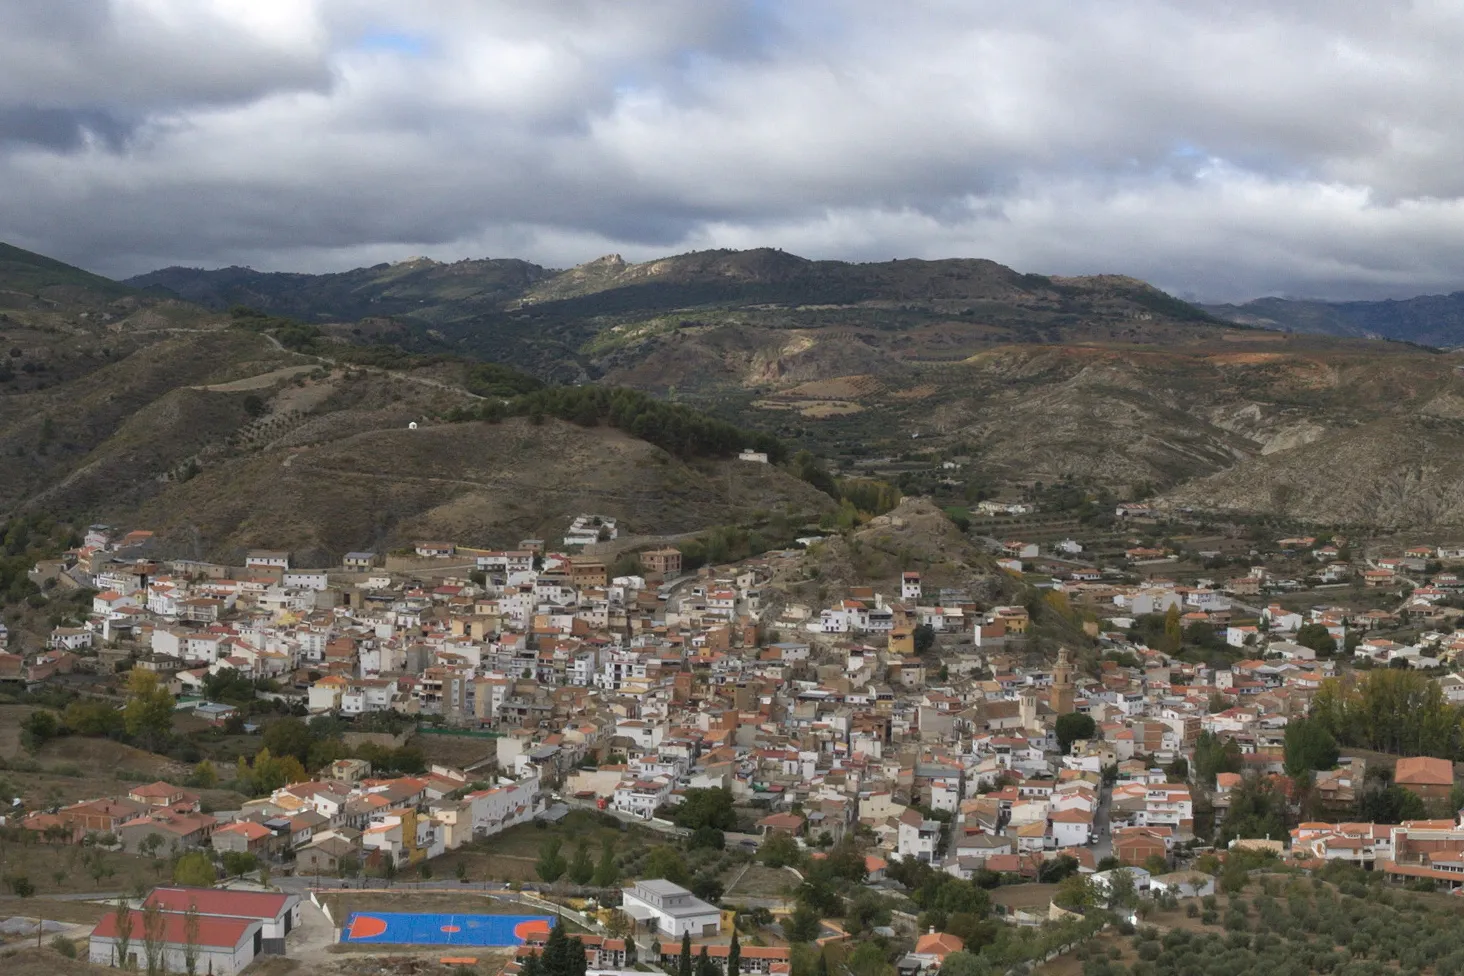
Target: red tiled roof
column 212, row 931
column 212, row 901
column 1423, row 771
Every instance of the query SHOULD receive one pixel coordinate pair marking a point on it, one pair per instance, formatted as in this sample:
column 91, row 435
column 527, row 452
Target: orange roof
column 248, row 828
column 1424, row 771
column 938, row 944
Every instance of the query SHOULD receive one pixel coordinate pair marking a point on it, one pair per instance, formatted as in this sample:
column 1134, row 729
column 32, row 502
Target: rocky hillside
column 1395, row 473
column 879, row 368
column 323, row 491
column 144, row 410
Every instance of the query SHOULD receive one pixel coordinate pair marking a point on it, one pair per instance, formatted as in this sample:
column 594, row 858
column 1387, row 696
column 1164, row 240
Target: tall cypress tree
column 704, row 964
column 683, row 964
column 579, row 962
column 734, row 956
column 562, row 956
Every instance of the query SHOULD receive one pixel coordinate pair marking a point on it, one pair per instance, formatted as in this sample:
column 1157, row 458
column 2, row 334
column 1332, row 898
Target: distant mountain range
column 1429, row 320
column 595, row 319
column 155, row 401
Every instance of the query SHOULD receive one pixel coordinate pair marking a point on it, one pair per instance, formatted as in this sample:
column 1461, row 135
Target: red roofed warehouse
column 224, row 945
column 278, row 913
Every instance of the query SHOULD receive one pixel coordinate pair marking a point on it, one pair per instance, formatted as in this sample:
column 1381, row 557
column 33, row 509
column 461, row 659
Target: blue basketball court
column 403, row 928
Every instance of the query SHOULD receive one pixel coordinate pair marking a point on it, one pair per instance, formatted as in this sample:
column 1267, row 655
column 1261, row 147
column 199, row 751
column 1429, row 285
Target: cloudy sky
column 1222, row 149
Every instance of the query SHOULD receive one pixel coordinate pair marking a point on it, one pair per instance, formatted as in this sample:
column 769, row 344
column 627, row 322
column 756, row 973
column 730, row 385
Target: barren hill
column 145, row 410
column 1392, row 473
column 477, row 483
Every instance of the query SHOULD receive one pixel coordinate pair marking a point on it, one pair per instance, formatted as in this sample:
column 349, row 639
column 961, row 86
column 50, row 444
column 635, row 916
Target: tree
column 707, row 887
column 683, row 961
column 148, row 714
column 1121, row 890
column 1257, row 809
column 780, row 850
column 154, row 940
column 802, row 925
column 704, row 964
column 93, row 718
column 238, row 863
column 190, row 940
column 607, row 872
column 734, row 955
column 562, row 955
column 582, row 868
column 1309, row 746
column 1076, row 893
column 705, row 808
column 619, row 925
column 962, row 963
column 707, row 837
column 39, row 728
column 924, row 636
column 122, row 912
column 551, row 865
column 1173, row 631
column 1318, row 638
column 461, row 871
column 1072, row 727
column 1214, row 755
column 151, row 844
column 194, row 870
column 21, row 886
column 1389, row 804
column 1055, row 870
column 868, row 959
column 666, row 862
column 204, row 776
column 288, row 737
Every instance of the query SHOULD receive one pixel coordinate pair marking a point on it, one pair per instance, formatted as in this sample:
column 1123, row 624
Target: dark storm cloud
column 60, row 129
column 1223, row 149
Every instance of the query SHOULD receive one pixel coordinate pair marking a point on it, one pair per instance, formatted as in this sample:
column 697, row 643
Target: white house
column 306, row 580
column 670, row 909
column 917, row 837
column 267, row 559
column 640, row 797
column 502, row 807
column 1070, row 828
column 69, row 639
column 1279, row 619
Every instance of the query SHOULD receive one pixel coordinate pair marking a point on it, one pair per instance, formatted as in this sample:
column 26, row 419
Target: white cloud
column 1222, row 150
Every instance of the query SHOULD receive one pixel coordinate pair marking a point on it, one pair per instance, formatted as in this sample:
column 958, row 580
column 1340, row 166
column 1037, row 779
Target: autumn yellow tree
column 148, row 714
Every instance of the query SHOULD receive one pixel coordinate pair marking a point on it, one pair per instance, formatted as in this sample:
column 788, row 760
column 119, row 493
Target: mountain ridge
column 1431, row 320
column 886, row 369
